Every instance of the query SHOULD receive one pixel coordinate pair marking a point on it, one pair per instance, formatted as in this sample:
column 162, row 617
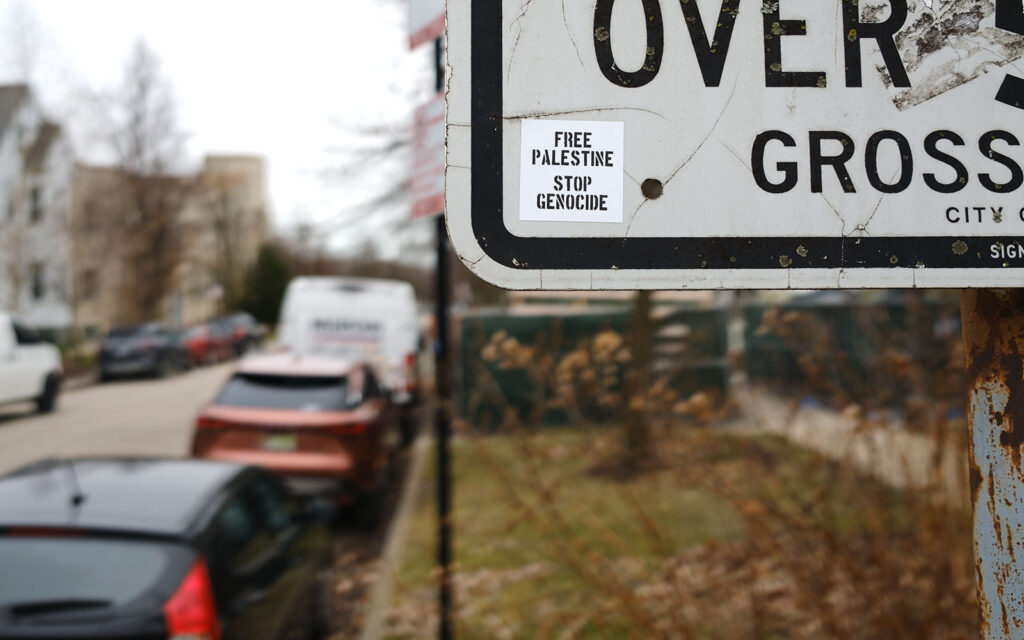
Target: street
column 126, row 417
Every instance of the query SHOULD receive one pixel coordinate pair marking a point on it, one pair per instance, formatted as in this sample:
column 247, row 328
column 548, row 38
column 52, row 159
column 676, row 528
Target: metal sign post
column 993, row 330
column 444, row 399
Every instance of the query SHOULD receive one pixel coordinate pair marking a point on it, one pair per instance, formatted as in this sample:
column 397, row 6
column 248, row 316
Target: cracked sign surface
column 766, row 144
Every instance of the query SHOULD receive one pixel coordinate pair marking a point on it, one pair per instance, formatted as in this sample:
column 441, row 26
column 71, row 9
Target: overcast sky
column 283, row 80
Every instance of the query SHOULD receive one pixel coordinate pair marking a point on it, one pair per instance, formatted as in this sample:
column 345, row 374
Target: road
column 140, row 417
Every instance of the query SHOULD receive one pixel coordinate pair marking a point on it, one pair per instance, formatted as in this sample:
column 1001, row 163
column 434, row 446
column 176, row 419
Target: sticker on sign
column 621, row 144
column 571, row 171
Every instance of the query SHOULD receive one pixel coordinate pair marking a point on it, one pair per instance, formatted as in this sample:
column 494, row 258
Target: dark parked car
column 243, row 331
column 150, row 548
column 149, row 349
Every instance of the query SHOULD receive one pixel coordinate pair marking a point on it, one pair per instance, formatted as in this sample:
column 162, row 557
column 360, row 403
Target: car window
column 249, row 524
column 25, row 334
column 269, row 501
column 304, row 393
column 110, row 572
column 237, row 537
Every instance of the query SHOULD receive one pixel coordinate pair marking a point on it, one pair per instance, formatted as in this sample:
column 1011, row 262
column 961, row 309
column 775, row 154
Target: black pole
column 442, row 418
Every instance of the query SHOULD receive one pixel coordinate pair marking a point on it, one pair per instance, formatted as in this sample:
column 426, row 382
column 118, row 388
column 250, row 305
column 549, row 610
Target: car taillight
column 354, row 428
column 204, row 422
column 191, row 613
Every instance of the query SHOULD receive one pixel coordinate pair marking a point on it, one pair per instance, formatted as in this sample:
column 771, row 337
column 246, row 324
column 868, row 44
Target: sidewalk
column 888, row 451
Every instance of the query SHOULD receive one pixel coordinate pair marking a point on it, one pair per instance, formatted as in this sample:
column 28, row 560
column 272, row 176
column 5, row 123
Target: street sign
column 426, row 21
column 807, row 144
column 428, row 158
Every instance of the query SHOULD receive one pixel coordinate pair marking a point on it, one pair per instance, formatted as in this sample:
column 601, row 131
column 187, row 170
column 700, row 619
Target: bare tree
column 22, row 41
column 223, row 223
column 138, row 126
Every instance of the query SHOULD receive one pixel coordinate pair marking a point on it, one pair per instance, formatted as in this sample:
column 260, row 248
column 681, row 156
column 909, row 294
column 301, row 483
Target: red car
column 325, row 425
column 208, row 343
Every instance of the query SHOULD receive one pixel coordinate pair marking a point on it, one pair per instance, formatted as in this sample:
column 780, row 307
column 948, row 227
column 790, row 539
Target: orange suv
column 325, row 425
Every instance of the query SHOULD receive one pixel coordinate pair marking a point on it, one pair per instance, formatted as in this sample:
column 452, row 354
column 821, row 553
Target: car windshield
column 304, row 393
column 78, row 571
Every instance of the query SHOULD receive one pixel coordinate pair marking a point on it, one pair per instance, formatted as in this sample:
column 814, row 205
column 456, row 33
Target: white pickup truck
column 30, row 369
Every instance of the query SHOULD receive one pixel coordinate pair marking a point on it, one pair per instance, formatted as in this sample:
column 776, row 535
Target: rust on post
column 993, row 333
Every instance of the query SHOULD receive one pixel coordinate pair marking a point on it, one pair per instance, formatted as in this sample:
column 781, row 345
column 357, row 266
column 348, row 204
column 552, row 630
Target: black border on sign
column 534, row 253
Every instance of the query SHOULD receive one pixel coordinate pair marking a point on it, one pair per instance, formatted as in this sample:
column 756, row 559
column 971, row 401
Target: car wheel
column 47, row 402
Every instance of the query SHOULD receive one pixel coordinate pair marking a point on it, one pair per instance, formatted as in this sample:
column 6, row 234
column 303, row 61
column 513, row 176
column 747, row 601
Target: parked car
column 30, row 369
column 367, row 319
column 243, row 331
column 149, row 349
column 324, row 424
column 151, row 548
column 208, row 343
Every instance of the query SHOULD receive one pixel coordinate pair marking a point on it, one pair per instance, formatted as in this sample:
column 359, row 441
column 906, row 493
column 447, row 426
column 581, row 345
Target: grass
column 551, row 542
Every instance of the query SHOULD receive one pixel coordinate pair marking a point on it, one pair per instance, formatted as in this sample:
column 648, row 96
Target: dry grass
column 721, row 534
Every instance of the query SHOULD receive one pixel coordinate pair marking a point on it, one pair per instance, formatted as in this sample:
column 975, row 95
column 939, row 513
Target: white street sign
column 426, row 21
column 428, row 158
column 603, row 144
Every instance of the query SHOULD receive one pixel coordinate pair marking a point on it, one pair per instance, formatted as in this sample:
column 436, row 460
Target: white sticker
column 571, row 171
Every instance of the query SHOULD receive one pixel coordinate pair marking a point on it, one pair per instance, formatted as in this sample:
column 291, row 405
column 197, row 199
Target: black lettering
column 906, row 162
column 1016, row 175
column 789, row 169
column 952, row 210
column 603, row 45
column 838, row 162
column 1010, row 16
column 881, row 32
column 774, row 28
column 710, row 56
column 931, row 147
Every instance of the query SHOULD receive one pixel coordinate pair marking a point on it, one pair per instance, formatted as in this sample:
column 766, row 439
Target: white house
column 36, row 171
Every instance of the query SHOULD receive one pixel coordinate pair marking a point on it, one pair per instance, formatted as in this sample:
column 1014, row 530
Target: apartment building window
column 38, row 274
column 37, row 204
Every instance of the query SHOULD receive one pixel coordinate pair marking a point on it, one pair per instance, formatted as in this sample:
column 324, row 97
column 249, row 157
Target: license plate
column 279, row 442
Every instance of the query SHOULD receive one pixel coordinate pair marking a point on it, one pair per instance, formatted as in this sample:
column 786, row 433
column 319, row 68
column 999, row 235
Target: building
column 225, row 225
column 219, row 226
column 36, row 173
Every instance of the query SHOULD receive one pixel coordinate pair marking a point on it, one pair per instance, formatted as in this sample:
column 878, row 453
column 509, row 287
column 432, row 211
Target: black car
column 149, row 349
column 242, row 330
column 152, row 548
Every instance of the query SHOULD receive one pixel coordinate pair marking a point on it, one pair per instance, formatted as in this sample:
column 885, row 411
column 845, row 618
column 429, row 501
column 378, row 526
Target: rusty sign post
column 993, row 330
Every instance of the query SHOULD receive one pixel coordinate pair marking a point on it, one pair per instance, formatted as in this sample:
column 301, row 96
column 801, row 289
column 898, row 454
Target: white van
column 30, row 369
column 368, row 319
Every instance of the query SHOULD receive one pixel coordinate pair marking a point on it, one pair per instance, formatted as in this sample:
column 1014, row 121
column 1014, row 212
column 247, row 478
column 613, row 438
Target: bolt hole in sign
column 806, row 144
